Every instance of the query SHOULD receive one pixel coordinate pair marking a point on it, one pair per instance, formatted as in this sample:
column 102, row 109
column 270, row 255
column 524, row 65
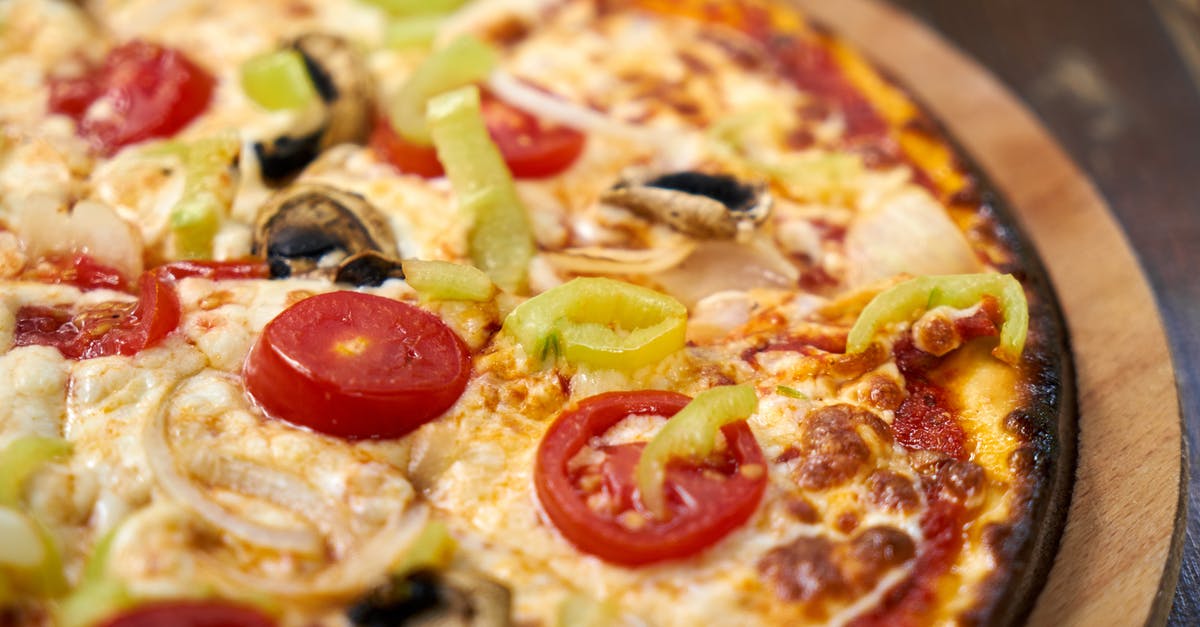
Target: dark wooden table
column 1118, row 82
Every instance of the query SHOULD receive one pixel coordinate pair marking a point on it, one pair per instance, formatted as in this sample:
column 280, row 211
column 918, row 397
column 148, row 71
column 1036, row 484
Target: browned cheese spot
column 816, row 568
column 832, row 450
column 892, row 491
column 961, row 481
column 885, row 394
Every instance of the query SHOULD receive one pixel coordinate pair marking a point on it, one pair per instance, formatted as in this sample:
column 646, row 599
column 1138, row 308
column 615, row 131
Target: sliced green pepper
column 417, row 7
column 412, row 32
column 578, row 610
column 464, row 61
column 501, row 239
column 600, row 322
column 690, row 434
column 278, row 80
column 197, row 216
column 21, row 458
column 908, row 299
column 98, row 594
column 433, row 549
column 443, row 280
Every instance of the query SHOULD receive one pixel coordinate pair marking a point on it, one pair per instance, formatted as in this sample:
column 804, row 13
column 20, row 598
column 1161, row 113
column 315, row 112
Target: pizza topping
column 902, row 302
column 215, row 270
column 278, row 80
column 23, row 457
column 464, row 61
column 190, row 613
column 500, row 238
column 310, row 228
column 87, row 228
column 340, row 78
column 690, row 435
column 209, row 165
column 708, row 206
column 450, row 597
column 357, row 366
column 832, row 449
column 142, row 90
column 448, row 281
column 810, row 568
column 600, row 322
column 79, row 270
column 594, row 504
column 892, row 491
column 111, row 328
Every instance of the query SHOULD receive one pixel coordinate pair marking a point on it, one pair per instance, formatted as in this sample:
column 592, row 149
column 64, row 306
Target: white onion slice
column 549, row 107
column 357, row 571
column 718, row 266
column 178, row 487
column 906, row 231
column 284, row 489
column 90, row 227
column 603, row 260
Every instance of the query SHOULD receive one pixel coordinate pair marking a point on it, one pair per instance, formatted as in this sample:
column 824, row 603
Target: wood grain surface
column 1118, row 559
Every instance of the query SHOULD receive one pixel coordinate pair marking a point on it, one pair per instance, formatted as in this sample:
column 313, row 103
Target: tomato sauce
column 925, row 420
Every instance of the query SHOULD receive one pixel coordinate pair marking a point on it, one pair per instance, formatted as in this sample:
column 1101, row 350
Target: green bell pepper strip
column 98, row 595
column 500, row 239
column 907, row 300
column 600, row 322
column 433, row 549
column 412, row 32
column 417, row 7
column 278, row 80
column 442, row 280
column 197, row 216
column 21, row 458
column 464, row 61
column 689, row 434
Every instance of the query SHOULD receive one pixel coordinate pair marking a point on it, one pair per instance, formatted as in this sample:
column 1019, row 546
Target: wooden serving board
column 1118, row 560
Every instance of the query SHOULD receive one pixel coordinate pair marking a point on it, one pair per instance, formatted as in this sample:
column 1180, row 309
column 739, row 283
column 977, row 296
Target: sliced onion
column 555, row 109
column 90, row 227
column 718, row 266
column 604, row 260
column 906, row 231
column 284, row 489
column 357, row 571
column 162, row 464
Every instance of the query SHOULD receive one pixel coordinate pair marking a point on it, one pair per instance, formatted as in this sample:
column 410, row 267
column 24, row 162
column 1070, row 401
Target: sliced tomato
column 146, row 90
column 596, row 506
column 112, row 328
column 216, row 270
column 191, row 613
column 79, row 270
column 357, row 366
column 530, row 148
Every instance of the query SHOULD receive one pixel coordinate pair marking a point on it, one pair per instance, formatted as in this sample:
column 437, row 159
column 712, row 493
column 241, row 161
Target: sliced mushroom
column 340, row 77
column 707, row 206
column 312, row 229
column 454, row 598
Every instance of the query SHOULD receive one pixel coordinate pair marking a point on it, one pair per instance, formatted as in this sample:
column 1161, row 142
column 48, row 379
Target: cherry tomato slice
column 357, row 366
column 113, row 328
column 531, row 149
column 79, row 270
column 707, row 501
column 216, row 270
column 147, row 90
column 197, row 613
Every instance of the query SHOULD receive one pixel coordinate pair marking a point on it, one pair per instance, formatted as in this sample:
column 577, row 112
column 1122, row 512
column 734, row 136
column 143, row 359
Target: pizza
column 541, row 312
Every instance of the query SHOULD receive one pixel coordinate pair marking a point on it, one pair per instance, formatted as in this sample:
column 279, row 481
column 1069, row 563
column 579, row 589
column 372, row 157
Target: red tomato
column 197, row 613
column 216, row 270
column 530, row 148
column 706, row 500
column 404, row 156
column 356, row 366
column 149, row 91
column 79, row 270
column 113, row 328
